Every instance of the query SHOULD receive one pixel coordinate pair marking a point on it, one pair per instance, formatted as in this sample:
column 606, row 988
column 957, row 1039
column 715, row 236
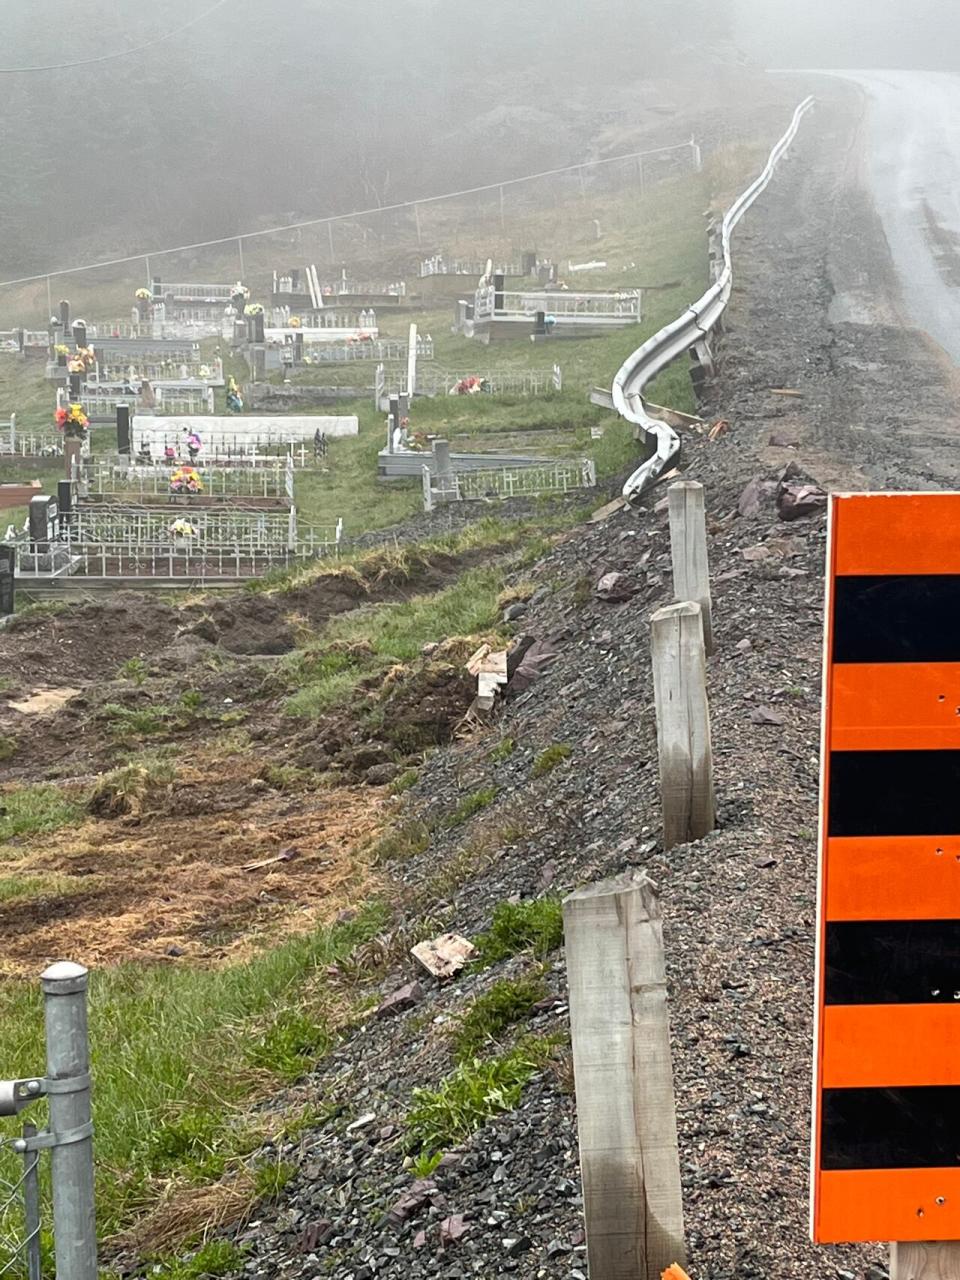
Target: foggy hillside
column 263, row 111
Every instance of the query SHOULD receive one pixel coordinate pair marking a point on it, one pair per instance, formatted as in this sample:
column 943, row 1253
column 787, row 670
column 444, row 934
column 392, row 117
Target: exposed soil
column 177, row 878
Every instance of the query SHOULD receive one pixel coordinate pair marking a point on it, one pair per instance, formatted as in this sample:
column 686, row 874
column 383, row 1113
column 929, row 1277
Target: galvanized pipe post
column 71, row 1156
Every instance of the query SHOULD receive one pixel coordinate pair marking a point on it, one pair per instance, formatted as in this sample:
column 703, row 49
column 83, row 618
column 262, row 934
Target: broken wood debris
column 443, row 956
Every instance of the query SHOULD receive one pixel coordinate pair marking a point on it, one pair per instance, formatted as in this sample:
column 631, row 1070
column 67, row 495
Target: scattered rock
column 452, row 1229
column 797, row 500
column 420, row 1193
column 378, row 775
column 766, row 715
column 615, row 588
column 515, row 611
column 755, row 496
column 400, row 1000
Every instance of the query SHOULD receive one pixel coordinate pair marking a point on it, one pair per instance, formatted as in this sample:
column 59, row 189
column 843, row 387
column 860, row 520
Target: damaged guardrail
column 689, row 332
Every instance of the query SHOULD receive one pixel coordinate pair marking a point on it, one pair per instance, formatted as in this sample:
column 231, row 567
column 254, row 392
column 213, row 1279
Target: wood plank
column 929, row 1261
column 624, row 1079
column 688, row 549
column 683, row 724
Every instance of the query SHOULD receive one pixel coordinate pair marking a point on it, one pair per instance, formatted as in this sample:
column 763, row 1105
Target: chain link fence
column 67, row 1137
column 20, row 1207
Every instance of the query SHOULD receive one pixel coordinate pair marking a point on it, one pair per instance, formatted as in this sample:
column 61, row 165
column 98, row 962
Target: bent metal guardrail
column 686, row 332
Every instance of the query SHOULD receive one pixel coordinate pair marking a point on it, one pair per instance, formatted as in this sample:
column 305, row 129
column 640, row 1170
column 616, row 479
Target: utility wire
column 346, row 217
column 121, row 53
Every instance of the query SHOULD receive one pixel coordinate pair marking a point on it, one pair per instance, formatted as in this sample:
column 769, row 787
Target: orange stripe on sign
column 892, row 878
column 888, row 1204
column 895, row 706
column 879, row 533
column 887, row 1046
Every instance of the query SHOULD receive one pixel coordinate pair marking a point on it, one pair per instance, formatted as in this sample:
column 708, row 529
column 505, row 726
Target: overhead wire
column 344, row 217
column 119, row 53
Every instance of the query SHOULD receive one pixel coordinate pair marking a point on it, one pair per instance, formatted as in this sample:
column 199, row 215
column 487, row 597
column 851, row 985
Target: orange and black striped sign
column 886, row 1157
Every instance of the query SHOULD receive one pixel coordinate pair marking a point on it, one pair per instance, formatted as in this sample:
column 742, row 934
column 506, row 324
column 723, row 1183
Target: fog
column 270, row 110
column 916, row 34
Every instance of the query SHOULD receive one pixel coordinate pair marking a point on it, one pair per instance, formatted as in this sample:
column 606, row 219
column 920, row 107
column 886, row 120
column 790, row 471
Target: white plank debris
column 491, row 671
column 443, row 956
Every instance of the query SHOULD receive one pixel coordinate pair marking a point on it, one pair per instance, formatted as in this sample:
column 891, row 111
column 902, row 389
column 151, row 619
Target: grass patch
column 505, row 1004
column 20, row 888
column 405, row 781
column 36, row 612
column 470, row 805
column 424, row 1165
column 8, row 747
column 215, row 1258
column 535, row 925
column 474, row 1093
column 548, row 760
column 171, row 1052
column 35, row 810
column 126, row 789
column 269, row 1179
column 134, row 669
column 503, row 750
column 401, row 844
column 288, row 778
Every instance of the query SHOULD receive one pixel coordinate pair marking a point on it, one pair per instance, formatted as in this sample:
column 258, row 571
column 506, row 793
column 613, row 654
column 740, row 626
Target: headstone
column 528, row 262
column 80, row 333
column 64, row 504
column 8, row 569
column 498, row 282
column 43, row 522
column 298, row 348
column 74, row 379
column 157, row 287
column 258, row 328
column 65, row 317
column 540, row 326
column 442, row 459
column 123, row 428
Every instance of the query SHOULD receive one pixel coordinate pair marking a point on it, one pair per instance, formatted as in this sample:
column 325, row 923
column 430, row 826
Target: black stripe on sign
column 894, row 793
column 912, row 618
column 916, row 1128
column 892, row 962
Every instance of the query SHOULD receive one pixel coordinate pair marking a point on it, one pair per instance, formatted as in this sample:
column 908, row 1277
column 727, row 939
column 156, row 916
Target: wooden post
column 683, row 723
column 626, row 1114
column 936, row 1261
column 688, row 549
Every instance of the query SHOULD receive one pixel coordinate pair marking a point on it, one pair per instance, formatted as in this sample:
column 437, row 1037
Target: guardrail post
column 688, row 550
column 935, row 1261
column 68, row 1068
column 626, row 1112
column 683, row 723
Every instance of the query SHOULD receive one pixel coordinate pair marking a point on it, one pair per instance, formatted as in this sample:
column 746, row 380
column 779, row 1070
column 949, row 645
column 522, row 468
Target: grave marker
column 8, row 569
column 886, row 1160
column 123, row 428
column 42, row 522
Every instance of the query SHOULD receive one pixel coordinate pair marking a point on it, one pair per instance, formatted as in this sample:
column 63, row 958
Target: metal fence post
column 68, row 1088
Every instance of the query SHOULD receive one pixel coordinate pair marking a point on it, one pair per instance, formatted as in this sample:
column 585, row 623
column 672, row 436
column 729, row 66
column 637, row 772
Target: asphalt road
column 912, row 165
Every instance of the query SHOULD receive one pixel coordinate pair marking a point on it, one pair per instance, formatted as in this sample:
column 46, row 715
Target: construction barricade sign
column 886, row 1113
